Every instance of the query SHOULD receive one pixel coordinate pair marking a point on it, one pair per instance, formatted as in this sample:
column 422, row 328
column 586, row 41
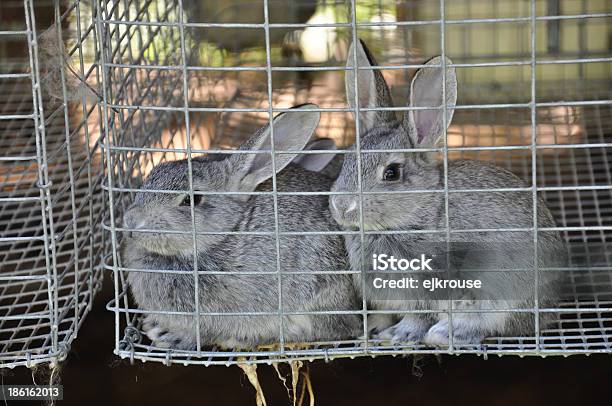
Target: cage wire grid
column 50, row 177
column 158, row 105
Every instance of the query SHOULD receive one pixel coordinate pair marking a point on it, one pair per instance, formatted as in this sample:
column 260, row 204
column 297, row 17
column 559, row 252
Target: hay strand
column 307, row 386
column 283, row 380
column 250, row 370
column 295, row 378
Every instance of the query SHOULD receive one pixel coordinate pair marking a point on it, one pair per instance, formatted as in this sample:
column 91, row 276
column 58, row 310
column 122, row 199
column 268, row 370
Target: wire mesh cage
column 50, row 177
column 186, row 80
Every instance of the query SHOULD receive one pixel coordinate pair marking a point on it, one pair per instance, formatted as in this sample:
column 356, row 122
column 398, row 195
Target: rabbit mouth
column 347, row 224
column 354, row 226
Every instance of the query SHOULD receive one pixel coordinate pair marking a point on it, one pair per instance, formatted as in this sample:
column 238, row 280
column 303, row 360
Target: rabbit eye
column 197, row 199
column 392, row 173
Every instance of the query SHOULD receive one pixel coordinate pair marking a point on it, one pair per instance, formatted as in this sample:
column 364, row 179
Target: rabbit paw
column 438, row 335
column 162, row 338
column 148, row 323
column 407, row 330
column 378, row 323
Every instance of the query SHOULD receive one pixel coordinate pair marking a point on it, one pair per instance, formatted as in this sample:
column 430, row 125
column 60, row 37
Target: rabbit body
column 482, row 210
column 229, row 292
column 426, row 213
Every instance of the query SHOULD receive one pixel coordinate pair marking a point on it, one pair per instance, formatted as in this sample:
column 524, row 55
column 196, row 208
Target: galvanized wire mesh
column 534, row 98
column 50, row 178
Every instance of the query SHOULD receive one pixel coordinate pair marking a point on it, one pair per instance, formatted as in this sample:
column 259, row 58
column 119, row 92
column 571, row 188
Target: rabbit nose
column 343, row 205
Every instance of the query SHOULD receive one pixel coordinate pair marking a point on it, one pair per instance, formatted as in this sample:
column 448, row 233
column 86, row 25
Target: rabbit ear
column 316, row 162
column 425, row 126
column 372, row 88
column 292, row 130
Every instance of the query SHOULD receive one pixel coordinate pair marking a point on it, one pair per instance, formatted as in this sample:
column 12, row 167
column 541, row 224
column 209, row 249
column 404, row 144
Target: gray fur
column 230, row 253
column 327, row 164
column 317, row 162
column 426, row 211
column 378, row 94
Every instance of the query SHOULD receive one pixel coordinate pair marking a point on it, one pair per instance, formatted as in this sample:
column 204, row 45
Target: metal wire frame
column 584, row 321
column 49, row 183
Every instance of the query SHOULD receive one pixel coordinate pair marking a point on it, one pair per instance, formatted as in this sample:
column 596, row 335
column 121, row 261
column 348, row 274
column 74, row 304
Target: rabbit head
column 420, row 128
column 170, row 213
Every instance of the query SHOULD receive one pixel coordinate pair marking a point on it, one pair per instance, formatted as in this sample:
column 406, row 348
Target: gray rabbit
column 301, row 291
column 420, row 212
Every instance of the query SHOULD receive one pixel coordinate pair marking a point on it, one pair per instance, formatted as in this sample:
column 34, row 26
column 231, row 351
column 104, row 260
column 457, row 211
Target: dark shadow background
column 92, row 376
